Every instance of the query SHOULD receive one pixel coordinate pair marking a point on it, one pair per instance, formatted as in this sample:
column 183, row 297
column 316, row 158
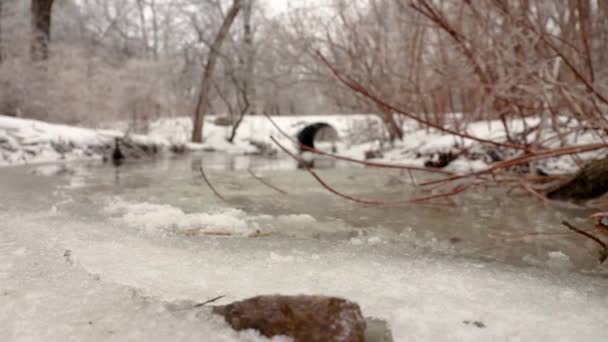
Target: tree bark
column 203, row 98
column 248, row 85
column 1, row 41
column 584, row 23
column 246, row 92
column 41, row 29
column 602, row 22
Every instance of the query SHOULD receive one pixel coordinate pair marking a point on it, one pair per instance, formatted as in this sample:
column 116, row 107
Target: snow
column 164, row 219
column 25, row 141
column 114, row 285
column 39, row 131
column 258, row 129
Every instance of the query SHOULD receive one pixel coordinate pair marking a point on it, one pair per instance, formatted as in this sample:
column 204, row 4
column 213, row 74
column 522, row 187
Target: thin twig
column 604, row 253
column 412, row 179
column 212, row 300
column 261, row 180
column 587, row 234
column 358, row 88
column 211, row 186
column 533, row 191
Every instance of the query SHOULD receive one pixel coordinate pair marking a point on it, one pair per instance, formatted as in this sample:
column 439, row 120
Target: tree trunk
column 394, row 131
column 584, row 23
column 248, row 85
column 203, row 98
column 246, row 96
column 1, row 42
column 602, row 22
column 41, row 29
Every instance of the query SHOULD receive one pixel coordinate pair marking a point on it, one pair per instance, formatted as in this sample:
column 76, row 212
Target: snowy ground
column 92, row 281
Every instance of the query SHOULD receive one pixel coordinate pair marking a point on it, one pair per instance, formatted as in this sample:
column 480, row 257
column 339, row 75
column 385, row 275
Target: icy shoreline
column 25, row 141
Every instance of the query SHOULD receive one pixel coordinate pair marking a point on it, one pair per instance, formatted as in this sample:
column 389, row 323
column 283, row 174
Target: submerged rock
column 304, row 318
column 590, row 182
column 443, row 160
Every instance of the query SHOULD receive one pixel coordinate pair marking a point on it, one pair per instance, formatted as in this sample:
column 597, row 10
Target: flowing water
column 156, row 228
column 486, row 224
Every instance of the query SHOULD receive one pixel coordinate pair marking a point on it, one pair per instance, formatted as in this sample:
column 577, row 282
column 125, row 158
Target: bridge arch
column 319, row 131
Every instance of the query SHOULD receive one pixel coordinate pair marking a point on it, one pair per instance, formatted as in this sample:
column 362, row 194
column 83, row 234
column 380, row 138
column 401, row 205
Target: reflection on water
column 483, row 224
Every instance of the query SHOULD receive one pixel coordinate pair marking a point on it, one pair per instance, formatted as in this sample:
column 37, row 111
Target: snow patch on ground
column 46, row 294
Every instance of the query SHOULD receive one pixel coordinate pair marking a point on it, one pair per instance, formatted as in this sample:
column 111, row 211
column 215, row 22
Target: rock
column 178, row 148
column 590, row 182
column 373, row 154
column 304, row 318
column 443, row 160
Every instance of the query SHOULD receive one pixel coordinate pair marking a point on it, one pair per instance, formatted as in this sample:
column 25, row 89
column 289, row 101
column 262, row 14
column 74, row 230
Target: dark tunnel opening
column 311, row 132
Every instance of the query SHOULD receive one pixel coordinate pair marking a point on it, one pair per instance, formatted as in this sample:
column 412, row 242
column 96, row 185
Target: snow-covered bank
column 423, row 146
column 28, row 141
column 24, row 141
column 351, row 130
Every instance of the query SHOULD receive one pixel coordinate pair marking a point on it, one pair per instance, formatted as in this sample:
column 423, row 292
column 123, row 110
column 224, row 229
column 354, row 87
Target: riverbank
column 24, row 141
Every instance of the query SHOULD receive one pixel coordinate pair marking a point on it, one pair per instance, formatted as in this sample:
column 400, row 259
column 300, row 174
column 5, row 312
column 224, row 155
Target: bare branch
column 210, row 185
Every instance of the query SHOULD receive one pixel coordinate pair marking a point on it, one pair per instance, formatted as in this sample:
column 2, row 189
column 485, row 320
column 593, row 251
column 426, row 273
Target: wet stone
column 304, row 318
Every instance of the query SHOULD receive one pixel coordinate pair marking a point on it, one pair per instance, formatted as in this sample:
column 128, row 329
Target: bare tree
column 244, row 83
column 1, row 40
column 206, row 83
column 41, row 28
column 249, row 59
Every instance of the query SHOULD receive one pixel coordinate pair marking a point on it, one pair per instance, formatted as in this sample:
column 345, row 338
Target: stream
column 97, row 252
